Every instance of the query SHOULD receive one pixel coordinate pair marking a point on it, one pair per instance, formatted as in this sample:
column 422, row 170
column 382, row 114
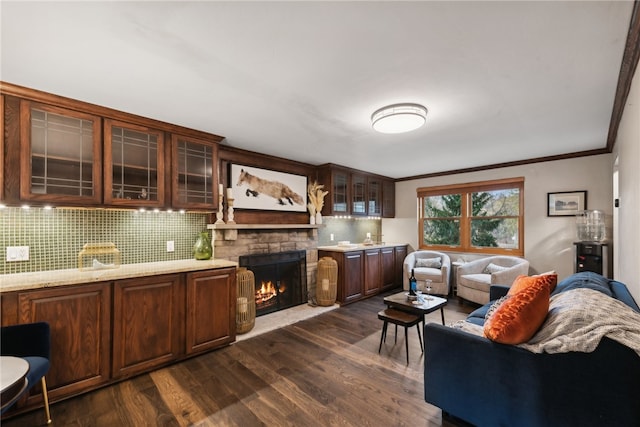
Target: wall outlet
column 331, row 237
column 170, row 246
column 17, row 253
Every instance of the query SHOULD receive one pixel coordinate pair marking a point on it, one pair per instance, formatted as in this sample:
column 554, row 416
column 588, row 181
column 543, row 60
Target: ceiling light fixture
column 399, row 118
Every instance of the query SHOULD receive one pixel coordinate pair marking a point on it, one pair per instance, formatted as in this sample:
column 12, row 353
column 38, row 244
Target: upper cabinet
column 65, row 152
column 60, row 154
column 356, row 193
column 133, row 165
column 192, row 179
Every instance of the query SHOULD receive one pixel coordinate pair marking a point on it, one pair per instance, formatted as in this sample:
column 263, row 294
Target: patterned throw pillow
column 520, row 316
column 429, row 262
column 522, row 282
column 492, row 268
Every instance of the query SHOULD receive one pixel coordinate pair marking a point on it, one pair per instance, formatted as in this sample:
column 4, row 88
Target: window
column 483, row 217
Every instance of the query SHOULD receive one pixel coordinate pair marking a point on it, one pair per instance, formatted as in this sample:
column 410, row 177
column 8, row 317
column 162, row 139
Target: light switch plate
column 170, row 246
column 17, row 253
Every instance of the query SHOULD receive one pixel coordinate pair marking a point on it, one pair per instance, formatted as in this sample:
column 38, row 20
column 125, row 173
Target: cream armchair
column 423, row 270
column 474, row 278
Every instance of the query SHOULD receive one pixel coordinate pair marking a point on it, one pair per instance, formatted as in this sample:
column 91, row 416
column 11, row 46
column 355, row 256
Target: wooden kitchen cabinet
column 194, row 184
column 146, row 323
column 79, row 318
column 388, row 198
column 372, row 271
column 133, row 165
column 388, row 265
column 60, row 155
column 400, row 254
column 211, row 313
column 374, row 196
column 350, row 274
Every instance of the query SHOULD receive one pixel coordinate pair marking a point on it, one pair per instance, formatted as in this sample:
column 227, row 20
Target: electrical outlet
column 331, row 237
column 17, row 253
column 170, row 246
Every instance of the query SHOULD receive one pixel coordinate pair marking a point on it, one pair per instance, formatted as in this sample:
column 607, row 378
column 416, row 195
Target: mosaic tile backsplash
column 56, row 236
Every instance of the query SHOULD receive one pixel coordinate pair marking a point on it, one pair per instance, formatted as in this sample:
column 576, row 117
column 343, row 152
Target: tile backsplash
column 56, row 236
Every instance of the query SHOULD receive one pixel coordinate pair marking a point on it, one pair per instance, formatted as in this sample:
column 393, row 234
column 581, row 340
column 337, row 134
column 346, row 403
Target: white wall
column 548, row 240
column 627, row 150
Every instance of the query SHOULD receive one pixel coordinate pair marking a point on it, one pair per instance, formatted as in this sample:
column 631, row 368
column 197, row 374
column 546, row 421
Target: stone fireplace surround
column 232, row 241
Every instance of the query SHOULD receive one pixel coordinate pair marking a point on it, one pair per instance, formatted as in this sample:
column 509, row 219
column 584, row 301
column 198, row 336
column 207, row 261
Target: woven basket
column 327, row 285
column 246, row 300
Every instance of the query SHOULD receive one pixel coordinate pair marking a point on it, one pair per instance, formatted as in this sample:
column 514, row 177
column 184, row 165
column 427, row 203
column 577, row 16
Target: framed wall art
column 255, row 188
column 566, row 203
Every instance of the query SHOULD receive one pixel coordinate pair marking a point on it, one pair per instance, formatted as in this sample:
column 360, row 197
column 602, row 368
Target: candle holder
column 230, row 211
column 326, row 286
column 220, row 213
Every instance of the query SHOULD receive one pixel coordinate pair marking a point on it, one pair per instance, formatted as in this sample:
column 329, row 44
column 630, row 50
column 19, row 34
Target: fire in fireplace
column 280, row 279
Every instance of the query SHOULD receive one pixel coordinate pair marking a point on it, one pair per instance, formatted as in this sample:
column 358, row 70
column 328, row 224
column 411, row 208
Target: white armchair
column 476, row 277
column 423, row 270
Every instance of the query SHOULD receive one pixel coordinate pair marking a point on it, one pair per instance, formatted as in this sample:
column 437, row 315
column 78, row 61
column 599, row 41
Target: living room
column 607, row 170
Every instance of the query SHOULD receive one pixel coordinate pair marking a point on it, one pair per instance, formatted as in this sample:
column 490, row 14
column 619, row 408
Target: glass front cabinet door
column 358, row 194
column 60, row 155
column 339, row 192
column 133, row 165
column 193, row 178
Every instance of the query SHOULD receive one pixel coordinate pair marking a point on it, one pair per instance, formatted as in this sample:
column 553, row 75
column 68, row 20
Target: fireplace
column 280, row 279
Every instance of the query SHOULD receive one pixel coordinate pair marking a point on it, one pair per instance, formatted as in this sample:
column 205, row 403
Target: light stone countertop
column 74, row 276
column 358, row 247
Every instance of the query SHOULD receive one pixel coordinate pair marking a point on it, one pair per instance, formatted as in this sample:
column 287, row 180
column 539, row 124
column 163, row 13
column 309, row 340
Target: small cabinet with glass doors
column 60, row 155
column 193, row 181
column 134, row 165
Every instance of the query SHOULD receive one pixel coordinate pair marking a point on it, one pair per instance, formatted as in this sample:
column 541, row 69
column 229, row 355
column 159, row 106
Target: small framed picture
column 566, row 203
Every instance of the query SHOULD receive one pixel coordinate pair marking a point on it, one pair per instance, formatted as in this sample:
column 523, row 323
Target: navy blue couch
column 489, row 384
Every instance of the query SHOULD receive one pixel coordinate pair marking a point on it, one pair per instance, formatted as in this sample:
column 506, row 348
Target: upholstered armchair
column 476, row 277
column 432, row 265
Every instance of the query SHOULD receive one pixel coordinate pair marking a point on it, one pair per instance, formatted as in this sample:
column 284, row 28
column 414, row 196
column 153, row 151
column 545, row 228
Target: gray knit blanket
column 577, row 321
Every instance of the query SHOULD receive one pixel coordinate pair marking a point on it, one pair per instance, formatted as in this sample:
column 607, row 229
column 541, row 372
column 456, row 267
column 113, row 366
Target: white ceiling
column 503, row 81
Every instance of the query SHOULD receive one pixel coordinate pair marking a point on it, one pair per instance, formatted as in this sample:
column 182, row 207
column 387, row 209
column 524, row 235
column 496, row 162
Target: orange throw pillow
column 522, row 282
column 520, row 316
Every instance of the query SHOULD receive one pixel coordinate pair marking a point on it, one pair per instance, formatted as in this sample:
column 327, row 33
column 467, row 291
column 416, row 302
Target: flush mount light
column 399, row 118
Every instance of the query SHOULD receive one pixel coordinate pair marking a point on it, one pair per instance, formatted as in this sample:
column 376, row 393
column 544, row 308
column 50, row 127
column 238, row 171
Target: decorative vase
column 202, row 249
column 318, row 218
column 312, row 219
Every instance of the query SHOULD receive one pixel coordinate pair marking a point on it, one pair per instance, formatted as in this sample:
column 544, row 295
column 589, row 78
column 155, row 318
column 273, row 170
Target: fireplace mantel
column 231, row 230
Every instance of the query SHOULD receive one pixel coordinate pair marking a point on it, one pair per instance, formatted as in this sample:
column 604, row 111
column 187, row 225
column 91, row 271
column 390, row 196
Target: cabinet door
column 388, row 199
column 80, row 332
column 133, row 165
column 353, row 276
column 146, row 323
column 194, row 176
column 358, row 194
column 60, row 155
column 339, row 192
column 211, row 315
column 388, row 256
column 372, row 273
column 374, row 197
column 401, row 254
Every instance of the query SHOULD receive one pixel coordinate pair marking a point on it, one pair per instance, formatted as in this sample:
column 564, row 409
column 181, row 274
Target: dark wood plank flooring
column 323, row 371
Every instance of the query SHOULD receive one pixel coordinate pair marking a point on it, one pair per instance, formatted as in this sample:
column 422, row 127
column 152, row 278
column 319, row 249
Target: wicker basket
column 327, row 285
column 246, row 301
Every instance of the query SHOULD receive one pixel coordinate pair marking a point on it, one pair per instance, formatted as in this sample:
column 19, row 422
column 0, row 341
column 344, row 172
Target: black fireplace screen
column 280, row 279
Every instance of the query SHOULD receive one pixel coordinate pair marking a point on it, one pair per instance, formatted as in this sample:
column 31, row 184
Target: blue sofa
column 489, row 384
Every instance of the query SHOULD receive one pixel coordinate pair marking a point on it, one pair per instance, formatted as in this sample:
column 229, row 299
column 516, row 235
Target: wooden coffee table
column 425, row 306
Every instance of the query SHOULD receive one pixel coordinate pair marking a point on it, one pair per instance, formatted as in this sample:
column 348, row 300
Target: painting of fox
column 279, row 191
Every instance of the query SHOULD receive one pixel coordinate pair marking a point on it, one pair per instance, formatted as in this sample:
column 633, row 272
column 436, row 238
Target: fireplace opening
column 280, row 279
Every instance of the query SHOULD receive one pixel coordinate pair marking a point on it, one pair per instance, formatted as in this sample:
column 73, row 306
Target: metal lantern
column 327, row 284
column 245, row 300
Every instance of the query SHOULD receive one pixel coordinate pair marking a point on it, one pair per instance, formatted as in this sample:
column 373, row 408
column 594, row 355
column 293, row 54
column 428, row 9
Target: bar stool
column 402, row 318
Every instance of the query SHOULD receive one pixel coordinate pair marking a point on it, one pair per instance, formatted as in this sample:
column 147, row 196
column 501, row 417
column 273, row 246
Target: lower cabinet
column 104, row 332
column 80, row 319
column 211, row 309
column 372, row 272
column 364, row 273
column 146, row 323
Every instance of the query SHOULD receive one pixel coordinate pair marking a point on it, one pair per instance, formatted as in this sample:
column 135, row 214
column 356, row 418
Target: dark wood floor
column 317, row 372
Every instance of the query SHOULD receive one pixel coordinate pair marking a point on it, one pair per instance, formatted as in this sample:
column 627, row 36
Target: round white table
column 13, row 381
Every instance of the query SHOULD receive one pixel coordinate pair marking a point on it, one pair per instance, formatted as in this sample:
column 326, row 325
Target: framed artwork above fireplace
column 255, row 188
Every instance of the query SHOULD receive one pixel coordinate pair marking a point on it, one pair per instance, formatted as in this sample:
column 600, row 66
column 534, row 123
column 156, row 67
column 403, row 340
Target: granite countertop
column 358, row 247
column 74, row 276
